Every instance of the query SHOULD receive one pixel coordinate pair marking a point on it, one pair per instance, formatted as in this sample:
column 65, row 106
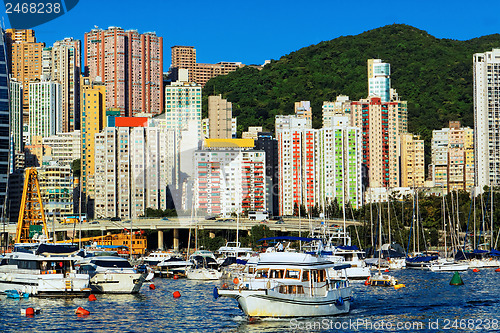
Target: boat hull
column 448, row 267
column 117, row 283
column 73, row 285
column 267, row 303
column 203, row 274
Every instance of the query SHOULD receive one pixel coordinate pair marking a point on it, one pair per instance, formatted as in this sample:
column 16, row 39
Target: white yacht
column 289, row 284
column 448, row 265
column 173, row 266
column 204, row 267
column 234, row 250
column 111, row 273
column 43, row 270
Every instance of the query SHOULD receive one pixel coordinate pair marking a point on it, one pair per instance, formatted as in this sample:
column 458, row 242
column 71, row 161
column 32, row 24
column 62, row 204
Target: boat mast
column 474, row 198
column 380, row 234
column 491, row 219
column 389, row 218
column 371, row 222
column 444, row 226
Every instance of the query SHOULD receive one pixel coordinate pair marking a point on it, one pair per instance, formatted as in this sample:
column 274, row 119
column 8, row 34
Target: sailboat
column 447, row 264
column 379, row 279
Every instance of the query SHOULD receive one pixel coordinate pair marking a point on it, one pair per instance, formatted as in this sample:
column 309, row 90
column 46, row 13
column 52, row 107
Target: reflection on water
column 427, row 298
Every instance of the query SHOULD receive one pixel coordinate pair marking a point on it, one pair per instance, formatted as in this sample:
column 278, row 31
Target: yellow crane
column 31, row 219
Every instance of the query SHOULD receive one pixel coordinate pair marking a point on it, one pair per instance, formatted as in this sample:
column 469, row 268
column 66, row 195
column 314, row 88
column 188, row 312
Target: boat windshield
column 112, row 263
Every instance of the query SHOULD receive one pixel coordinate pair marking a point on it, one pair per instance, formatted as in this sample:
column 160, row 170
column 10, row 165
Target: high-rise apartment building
column 265, row 142
column 229, row 177
column 61, row 63
column 56, row 189
column 65, row 147
column 382, row 123
column 338, row 163
column 184, row 57
column 220, row 117
column 412, row 161
column 4, row 122
column 133, row 167
column 45, row 109
column 182, row 105
column 487, row 118
column 453, row 157
column 17, row 36
column 379, row 79
column 131, row 67
column 93, row 121
column 16, row 117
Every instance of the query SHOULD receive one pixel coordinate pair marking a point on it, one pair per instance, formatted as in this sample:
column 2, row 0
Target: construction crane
column 31, row 226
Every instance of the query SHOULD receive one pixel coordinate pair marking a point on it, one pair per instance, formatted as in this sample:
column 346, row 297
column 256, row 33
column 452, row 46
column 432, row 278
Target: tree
column 76, row 167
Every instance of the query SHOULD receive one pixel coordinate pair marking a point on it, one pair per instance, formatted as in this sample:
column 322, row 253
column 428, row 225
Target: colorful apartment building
column 131, row 67
column 229, row 177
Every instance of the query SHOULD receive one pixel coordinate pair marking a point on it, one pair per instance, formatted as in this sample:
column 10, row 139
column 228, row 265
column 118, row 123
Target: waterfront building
column 452, row 165
column 229, row 177
column 220, row 117
column 486, row 67
column 379, row 79
column 182, row 105
column 61, row 63
column 131, row 67
column 133, row 167
column 93, row 120
column 45, row 109
column 265, row 142
column 338, row 163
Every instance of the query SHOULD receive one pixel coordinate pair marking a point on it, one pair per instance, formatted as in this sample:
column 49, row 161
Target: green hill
column 433, row 75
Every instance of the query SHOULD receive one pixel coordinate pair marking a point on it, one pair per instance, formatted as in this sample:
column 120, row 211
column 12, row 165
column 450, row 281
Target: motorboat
column 205, row 266
column 234, row 250
column 287, row 284
column 448, row 265
column 381, row 280
column 42, row 269
column 173, row 266
column 110, row 273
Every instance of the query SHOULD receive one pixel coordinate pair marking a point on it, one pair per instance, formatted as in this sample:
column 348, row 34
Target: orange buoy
column 225, row 286
column 367, row 282
column 386, row 271
column 236, row 280
column 497, row 270
column 82, row 312
column 177, row 294
column 92, row 298
column 175, row 277
column 475, row 270
column 152, row 286
column 30, row 312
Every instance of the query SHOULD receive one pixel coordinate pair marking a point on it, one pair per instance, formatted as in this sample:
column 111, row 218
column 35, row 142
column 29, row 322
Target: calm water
column 427, row 297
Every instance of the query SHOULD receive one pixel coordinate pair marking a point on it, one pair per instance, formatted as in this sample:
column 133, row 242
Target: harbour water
column 427, row 304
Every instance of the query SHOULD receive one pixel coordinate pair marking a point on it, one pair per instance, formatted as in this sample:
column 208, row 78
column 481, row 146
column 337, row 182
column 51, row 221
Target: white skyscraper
column 379, row 79
column 487, row 118
column 45, row 109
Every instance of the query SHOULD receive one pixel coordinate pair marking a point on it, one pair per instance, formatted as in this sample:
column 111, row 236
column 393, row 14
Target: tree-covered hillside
column 433, row 75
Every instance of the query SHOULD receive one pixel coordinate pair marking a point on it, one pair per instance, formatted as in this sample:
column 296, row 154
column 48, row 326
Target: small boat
column 382, row 280
column 173, row 266
column 443, row 265
column 289, row 284
column 204, row 267
column 111, row 274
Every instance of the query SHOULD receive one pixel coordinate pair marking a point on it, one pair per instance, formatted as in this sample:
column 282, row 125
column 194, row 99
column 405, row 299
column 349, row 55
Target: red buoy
column 497, row 270
column 475, row 270
column 92, row 298
column 386, row 271
column 30, row 312
column 177, row 294
column 175, row 277
column 236, row 280
column 82, row 312
column 367, row 283
column 152, row 286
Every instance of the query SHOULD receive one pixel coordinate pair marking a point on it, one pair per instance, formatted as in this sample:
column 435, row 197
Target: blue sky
column 253, row 31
